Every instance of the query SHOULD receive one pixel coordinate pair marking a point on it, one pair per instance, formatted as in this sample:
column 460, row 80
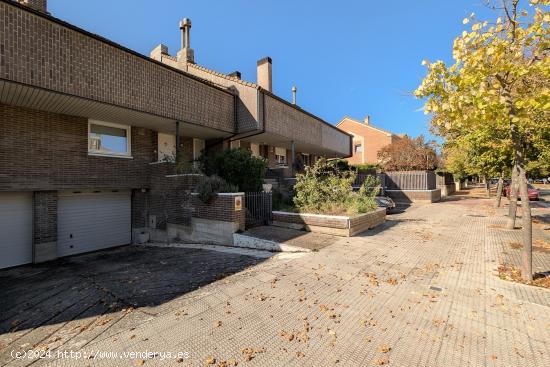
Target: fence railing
column 362, row 176
column 410, row 180
column 259, row 208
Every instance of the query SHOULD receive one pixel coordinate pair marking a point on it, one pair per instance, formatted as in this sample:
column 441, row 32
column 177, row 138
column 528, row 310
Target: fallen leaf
column 210, row 360
column 382, row 361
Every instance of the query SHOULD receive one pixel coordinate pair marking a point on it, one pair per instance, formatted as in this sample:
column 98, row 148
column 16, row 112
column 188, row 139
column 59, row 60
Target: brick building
column 367, row 139
column 89, row 129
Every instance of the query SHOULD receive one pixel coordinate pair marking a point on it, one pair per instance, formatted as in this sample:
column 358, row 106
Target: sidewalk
column 422, row 292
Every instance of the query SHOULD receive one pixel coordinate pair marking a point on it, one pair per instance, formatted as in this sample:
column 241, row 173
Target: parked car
column 385, row 202
column 532, row 192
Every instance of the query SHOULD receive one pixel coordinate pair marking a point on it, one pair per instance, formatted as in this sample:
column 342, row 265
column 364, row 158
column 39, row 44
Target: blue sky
column 352, row 58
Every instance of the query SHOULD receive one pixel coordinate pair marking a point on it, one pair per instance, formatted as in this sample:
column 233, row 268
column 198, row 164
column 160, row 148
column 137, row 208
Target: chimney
column 264, row 78
column 186, row 53
column 40, row 5
column 366, row 120
column 294, row 90
column 235, row 74
column 158, row 51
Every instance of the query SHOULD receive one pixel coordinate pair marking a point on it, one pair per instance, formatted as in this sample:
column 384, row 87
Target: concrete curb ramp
column 241, row 240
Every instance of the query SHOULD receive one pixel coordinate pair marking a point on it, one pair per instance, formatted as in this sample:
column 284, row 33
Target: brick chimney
column 186, row 54
column 158, row 52
column 264, row 78
column 40, row 5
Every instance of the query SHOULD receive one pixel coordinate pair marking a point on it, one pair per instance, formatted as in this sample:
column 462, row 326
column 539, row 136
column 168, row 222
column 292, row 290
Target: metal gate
column 259, row 207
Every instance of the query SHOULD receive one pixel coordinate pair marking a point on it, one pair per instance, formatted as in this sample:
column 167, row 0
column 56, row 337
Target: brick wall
column 295, row 124
column 370, row 138
column 40, row 51
column 222, row 208
column 48, row 151
column 44, row 216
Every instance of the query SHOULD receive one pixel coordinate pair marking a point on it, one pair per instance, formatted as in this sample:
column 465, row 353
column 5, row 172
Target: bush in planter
column 326, row 188
column 371, row 186
column 237, row 167
column 209, row 187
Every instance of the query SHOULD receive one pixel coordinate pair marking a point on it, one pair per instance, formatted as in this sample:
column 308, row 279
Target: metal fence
column 259, row 208
column 362, row 176
column 410, row 180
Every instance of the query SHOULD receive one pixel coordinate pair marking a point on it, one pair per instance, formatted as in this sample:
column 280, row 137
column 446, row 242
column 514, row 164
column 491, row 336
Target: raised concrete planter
column 337, row 225
column 414, row 196
column 447, row 190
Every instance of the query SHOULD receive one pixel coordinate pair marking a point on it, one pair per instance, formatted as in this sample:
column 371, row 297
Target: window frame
column 128, row 129
column 281, row 164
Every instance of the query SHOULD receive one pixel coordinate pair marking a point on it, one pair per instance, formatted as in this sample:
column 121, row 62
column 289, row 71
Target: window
column 358, row 148
column 280, row 156
column 306, row 159
column 105, row 138
column 281, row 159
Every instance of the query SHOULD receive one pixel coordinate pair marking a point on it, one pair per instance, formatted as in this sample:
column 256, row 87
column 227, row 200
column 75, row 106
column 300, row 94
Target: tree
column 408, row 154
column 484, row 153
column 499, row 82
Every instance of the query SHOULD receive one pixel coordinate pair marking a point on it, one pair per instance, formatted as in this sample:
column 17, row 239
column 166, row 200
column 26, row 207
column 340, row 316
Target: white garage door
column 15, row 229
column 92, row 221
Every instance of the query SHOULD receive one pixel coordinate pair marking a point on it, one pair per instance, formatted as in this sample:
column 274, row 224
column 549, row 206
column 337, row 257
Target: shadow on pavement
column 107, row 281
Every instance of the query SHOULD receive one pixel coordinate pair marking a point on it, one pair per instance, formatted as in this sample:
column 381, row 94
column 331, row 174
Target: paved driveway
column 421, row 292
column 74, row 301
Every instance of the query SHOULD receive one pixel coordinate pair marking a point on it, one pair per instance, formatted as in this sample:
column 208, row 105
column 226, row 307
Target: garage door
column 15, row 229
column 90, row 221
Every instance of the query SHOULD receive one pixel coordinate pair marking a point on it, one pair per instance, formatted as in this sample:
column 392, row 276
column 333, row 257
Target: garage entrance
column 15, row 229
column 94, row 220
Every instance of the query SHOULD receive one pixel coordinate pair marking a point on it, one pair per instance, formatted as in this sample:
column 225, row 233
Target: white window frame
column 128, row 153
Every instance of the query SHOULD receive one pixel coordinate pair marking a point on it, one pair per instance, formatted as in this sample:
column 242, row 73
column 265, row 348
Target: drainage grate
column 437, row 289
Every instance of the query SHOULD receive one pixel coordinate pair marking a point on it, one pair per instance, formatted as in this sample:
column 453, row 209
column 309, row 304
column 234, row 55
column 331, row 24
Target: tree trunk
column 499, row 191
column 527, row 251
column 512, row 208
column 487, row 186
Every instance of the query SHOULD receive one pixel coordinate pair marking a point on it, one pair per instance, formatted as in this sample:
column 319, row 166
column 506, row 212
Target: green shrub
column 366, row 168
column 237, row 167
column 371, row 186
column 364, row 204
column 184, row 166
column 327, row 188
column 209, row 187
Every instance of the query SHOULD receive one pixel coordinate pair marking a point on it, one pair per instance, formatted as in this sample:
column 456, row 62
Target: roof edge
column 367, row 125
column 111, row 43
column 298, row 108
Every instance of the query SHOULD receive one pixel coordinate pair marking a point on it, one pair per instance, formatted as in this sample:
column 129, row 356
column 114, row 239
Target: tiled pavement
column 422, row 291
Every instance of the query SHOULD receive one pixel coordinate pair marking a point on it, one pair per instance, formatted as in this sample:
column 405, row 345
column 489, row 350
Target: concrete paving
column 421, row 291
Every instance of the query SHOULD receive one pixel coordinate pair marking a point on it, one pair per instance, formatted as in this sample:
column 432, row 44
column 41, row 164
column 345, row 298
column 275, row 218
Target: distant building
column 367, row 139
